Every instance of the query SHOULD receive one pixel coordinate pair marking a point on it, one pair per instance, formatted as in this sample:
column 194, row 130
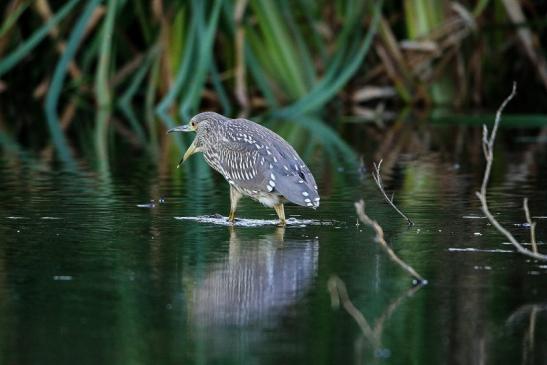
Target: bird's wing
column 257, row 159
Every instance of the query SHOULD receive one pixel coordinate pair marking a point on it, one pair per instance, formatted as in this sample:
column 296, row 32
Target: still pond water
column 113, row 268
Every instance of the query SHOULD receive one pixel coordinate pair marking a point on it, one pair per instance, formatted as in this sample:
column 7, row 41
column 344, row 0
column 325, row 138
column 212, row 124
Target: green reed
column 171, row 59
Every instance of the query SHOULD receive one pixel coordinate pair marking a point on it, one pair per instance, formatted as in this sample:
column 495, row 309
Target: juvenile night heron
column 255, row 161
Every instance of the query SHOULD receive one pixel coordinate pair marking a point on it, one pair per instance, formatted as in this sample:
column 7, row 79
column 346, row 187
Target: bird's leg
column 234, row 198
column 280, row 210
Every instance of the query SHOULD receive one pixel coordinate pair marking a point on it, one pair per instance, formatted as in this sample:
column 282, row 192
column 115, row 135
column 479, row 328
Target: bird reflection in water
column 258, row 280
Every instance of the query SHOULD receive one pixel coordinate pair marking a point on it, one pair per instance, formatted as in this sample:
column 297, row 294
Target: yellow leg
column 280, row 210
column 234, row 198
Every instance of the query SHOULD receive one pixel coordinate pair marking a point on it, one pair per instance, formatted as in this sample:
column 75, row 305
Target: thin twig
column 532, row 226
column 378, row 180
column 488, row 149
column 360, row 208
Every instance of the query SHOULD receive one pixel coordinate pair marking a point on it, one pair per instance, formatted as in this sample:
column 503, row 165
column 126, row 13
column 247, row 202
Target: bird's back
column 255, row 159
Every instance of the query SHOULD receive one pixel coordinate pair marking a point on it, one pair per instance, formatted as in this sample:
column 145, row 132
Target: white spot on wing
column 272, row 176
column 305, row 193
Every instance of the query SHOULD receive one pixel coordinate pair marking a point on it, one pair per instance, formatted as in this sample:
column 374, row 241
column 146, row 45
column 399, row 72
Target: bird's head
column 204, row 124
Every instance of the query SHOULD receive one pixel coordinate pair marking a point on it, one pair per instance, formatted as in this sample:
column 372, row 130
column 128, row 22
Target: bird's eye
column 193, row 124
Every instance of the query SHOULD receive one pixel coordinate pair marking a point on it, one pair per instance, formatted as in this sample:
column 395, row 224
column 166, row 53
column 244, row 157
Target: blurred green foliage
column 271, row 59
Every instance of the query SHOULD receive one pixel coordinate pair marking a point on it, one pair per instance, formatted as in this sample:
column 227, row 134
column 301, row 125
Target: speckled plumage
column 255, row 161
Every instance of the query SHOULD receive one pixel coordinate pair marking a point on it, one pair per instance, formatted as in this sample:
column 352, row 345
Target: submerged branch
column 532, row 226
column 488, row 149
column 360, row 208
column 378, row 180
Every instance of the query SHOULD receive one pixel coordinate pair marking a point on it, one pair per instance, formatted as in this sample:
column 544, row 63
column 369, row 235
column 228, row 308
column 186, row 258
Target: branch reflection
column 525, row 319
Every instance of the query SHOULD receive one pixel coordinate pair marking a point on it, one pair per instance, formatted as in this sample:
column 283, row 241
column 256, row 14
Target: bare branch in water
column 532, row 226
column 360, row 208
column 488, row 149
column 378, row 180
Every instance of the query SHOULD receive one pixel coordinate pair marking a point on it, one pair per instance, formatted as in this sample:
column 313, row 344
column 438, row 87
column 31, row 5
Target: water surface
column 117, row 267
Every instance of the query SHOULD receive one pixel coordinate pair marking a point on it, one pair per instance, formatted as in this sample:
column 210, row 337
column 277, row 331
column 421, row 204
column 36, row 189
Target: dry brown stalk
column 9, row 9
column 360, row 208
column 240, row 70
column 127, row 70
column 44, row 10
column 527, row 38
column 488, row 150
column 68, row 114
column 378, row 180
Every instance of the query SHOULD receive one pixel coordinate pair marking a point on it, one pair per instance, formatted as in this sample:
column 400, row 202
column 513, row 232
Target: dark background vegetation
column 145, row 64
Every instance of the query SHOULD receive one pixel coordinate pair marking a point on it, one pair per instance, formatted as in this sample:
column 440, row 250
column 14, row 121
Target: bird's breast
column 213, row 160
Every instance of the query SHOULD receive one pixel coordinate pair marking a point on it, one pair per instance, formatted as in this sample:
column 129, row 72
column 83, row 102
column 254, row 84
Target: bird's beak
column 192, row 149
column 189, row 152
column 182, row 128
